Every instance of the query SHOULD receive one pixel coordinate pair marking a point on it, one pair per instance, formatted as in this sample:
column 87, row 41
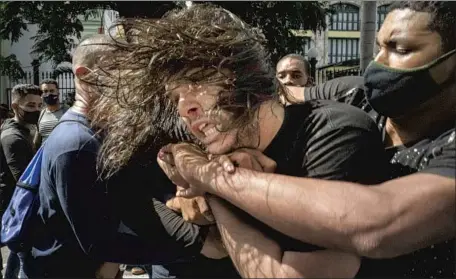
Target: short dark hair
column 443, row 15
column 50, row 81
column 21, row 90
column 300, row 58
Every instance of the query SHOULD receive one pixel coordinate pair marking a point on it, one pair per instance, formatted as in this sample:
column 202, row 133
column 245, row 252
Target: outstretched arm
column 257, row 256
column 383, row 221
column 387, row 220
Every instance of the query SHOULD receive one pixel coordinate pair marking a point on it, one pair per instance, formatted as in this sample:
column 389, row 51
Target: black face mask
column 51, row 99
column 29, row 117
column 393, row 92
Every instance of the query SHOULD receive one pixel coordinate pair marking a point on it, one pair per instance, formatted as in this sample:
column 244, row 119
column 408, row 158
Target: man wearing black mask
column 50, row 115
column 406, row 224
column 17, row 148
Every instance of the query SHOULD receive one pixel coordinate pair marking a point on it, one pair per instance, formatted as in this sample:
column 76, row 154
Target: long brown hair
column 136, row 112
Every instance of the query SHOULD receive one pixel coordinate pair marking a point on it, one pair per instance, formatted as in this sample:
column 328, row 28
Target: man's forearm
column 370, row 221
column 257, row 256
column 243, row 243
column 184, row 233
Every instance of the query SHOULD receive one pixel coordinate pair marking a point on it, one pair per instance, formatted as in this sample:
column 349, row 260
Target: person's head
column 293, row 70
column 218, row 74
column 50, row 89
column 202, row 64
column 26, row 103
column 86, row 58
column 416, row 63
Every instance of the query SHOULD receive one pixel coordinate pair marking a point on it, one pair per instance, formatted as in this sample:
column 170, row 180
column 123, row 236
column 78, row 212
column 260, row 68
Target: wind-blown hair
column 137, row 111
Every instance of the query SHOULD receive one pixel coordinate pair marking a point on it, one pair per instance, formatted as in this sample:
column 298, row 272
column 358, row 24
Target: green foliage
column 60, row 27
column 58, row 23
column 278, row 18
column 10, row 66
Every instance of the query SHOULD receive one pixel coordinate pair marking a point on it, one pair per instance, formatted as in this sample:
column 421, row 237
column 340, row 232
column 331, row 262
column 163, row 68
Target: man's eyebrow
column 295, row 70
column 390, row 41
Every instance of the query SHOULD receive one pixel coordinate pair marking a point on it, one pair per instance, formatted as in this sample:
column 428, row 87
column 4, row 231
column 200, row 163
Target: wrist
column 204, row 178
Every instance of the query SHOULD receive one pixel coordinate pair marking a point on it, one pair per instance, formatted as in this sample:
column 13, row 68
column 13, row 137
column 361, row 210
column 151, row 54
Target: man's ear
column 81, row 71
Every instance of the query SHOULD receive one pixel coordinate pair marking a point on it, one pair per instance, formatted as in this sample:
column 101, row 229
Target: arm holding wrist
column 390, row 219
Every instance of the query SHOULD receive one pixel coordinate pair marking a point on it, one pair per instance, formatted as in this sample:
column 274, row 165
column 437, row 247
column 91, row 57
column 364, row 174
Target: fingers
column 192, row 212
column 167, row 148
column 166, row 155
column 180, row 188
column 188, row 193
column 226, row 163
column 204, row 209
column 245, row 160
column 174, row 204
column 267, row 164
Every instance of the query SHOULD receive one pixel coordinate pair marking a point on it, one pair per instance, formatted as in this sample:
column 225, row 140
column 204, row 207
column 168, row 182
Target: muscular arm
column 257, row 256
column 17, row 153
column 393, row 218
column 383, row 221
column 339, row 89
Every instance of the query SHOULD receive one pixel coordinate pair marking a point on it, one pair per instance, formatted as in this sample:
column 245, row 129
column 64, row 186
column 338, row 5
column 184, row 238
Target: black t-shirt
column 326, row 140
column 434, row 154
column 347, row 90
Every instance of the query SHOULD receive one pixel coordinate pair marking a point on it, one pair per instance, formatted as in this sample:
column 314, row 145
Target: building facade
column 340, row 41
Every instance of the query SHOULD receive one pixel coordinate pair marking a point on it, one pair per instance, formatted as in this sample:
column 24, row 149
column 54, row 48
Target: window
column 381, row 14
column 342, row 49
column 346, row 18
column 306, row 43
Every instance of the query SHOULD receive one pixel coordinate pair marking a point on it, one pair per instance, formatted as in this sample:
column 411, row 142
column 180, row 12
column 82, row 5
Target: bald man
column 87, row 224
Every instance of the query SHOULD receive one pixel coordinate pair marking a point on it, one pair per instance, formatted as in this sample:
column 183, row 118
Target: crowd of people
column 186, row 154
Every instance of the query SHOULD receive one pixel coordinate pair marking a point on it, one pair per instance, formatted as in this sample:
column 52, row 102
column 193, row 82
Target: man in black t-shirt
column 320, row 139
column 408, row 219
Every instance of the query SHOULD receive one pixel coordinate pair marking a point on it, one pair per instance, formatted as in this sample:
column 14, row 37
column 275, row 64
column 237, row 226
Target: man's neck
column 270, row 118
column 53, row 108
column 81, row 103
column 23, row 123
column 80, row 107
column 421, row 124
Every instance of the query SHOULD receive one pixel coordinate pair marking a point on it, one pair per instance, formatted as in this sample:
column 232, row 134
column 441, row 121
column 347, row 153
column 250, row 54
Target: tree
column 278, row 18
column 368, row 30
column 59, row 25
